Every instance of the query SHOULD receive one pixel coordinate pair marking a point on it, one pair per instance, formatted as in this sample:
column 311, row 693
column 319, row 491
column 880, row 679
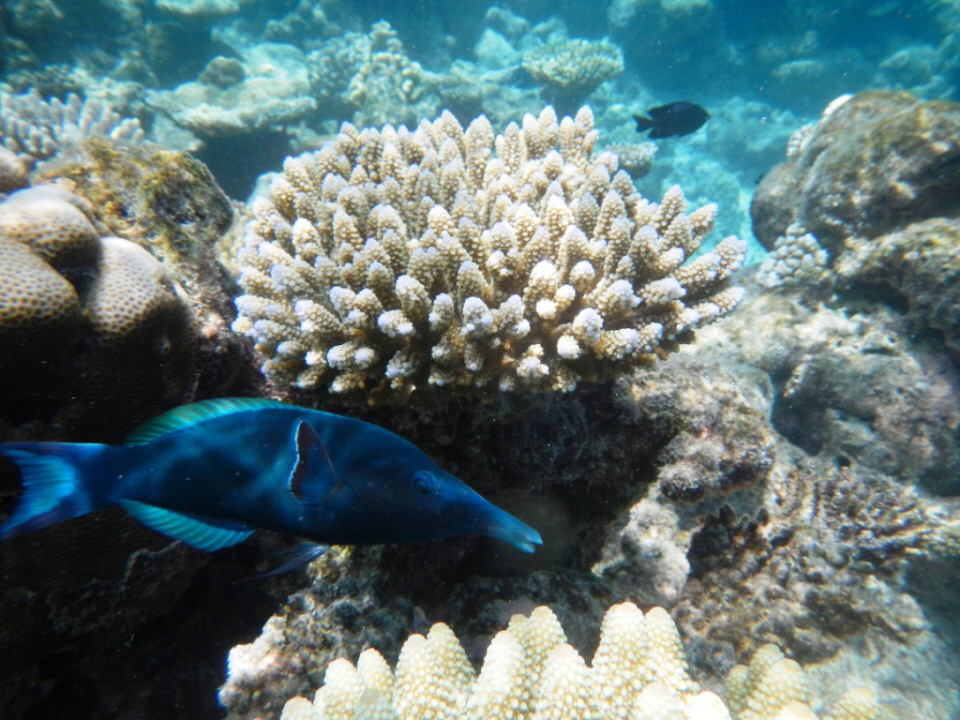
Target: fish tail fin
column 53, row 485
column 643, row 122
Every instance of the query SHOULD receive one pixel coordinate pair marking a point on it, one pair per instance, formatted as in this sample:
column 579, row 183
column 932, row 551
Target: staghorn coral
column 567, row 71
column 394, row 260
column 37, row 129
column 638, row 672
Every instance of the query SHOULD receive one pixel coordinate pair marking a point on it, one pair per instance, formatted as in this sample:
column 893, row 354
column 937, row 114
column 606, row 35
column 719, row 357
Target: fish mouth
column 513, row 532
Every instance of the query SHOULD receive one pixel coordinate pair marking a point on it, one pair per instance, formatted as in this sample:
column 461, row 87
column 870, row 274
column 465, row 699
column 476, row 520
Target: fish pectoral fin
column 312, row 475
column 201, row 533
column 296, row 557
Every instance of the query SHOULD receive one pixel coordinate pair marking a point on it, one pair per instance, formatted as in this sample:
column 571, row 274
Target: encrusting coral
column 394, row 260
column 638, row 673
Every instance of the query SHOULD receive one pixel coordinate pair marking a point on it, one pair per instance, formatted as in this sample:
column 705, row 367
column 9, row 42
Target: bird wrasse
column 212, row 472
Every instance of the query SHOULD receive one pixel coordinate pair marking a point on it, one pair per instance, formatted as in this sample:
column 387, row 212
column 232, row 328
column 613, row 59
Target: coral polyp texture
column 530, row 671
column 398, row 259
column 92, row 329
column 37, row 129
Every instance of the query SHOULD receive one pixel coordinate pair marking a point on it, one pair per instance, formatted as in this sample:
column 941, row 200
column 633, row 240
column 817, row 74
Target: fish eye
column 425, row 482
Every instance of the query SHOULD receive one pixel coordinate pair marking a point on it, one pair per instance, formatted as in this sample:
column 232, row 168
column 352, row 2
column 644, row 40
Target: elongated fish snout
column 504, row 526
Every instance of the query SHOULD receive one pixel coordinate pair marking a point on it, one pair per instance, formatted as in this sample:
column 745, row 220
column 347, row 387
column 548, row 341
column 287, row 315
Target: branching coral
column 373, row 76
column 394, row 260
column 638, row 672
column 36, row 129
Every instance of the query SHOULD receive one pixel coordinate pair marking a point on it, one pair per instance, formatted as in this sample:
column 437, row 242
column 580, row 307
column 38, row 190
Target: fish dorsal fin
column 313, row 474
column 189, row 415
column 204, row 534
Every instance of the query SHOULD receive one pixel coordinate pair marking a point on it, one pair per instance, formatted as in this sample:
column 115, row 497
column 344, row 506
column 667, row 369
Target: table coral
column 271, row 91
column 567, row 71
column 394, row 260
column 639, row 671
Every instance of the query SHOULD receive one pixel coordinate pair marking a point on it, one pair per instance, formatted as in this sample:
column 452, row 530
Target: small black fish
column 673, row 119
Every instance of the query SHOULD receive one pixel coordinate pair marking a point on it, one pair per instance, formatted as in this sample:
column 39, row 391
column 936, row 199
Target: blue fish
column 211, row 473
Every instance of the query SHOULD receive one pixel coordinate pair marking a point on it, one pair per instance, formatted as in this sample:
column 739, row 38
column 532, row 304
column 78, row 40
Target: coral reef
column 95, row 332
column 796, row 261
column 638, row 671
column 636, row 159
column 720, row 440
column 13, row 171
column 36, row 129
column 874, row 163
column 267, row 88
column 395, row 260
column 342, row 612
column 168, row 203
column 854, row 385
column 371, row 76
column 567, row 71
column 915, row 268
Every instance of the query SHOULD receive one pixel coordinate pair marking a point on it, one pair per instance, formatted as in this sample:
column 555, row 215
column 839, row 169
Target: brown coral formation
column 875, row 162
column 88, row 321
column 169, row 204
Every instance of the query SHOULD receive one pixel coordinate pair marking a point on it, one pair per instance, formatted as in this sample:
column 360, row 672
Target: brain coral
column 638, row 673
column 93, row 334
column 393, row 260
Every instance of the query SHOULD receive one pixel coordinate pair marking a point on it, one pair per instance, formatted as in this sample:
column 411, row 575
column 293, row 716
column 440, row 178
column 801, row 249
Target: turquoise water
column 790, row 477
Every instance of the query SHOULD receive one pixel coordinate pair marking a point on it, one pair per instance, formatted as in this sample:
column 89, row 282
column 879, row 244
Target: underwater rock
column 875, row 162
column 854, row 386
column 915, row 270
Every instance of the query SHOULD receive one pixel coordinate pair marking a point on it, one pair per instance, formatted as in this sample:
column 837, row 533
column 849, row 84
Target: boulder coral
column 87, row 320
column 876, row 161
